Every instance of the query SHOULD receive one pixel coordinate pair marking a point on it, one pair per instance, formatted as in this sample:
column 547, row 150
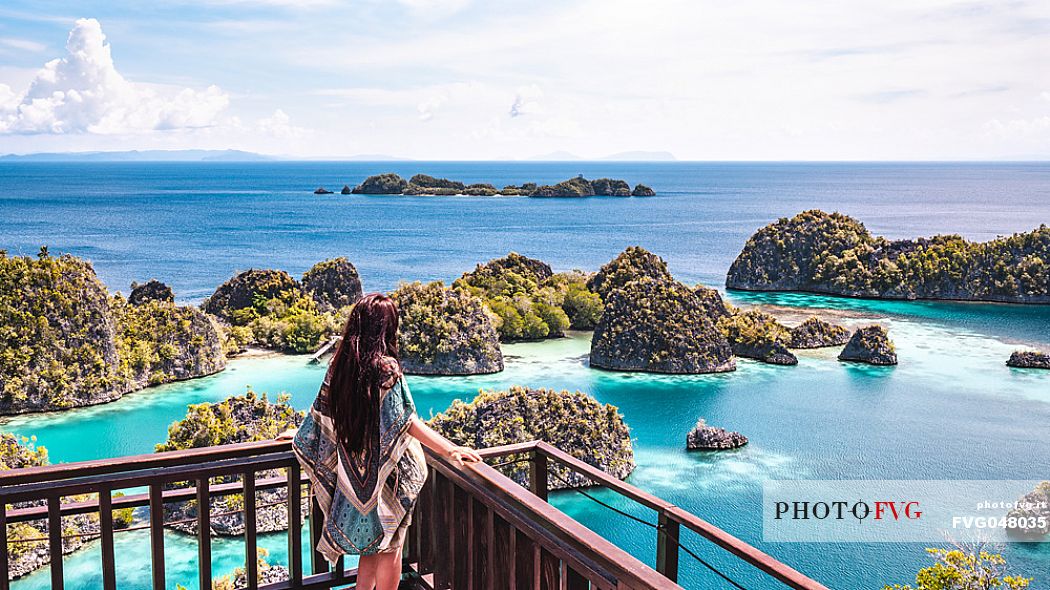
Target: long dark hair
column 366, row 360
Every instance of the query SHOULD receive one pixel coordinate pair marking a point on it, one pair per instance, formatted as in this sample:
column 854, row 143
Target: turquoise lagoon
column 950, row 410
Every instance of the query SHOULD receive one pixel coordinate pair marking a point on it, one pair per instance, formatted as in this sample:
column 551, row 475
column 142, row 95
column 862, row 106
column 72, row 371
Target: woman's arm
column 288, row 434
column 434, row 441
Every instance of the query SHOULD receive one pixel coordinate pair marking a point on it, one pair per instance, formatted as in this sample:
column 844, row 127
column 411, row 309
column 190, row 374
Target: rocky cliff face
column 574, row 187
column 832, row 253
column 237, row 419
column 610, row 187
column 58, row 338
column 712, row 438
column 658, row 326
column 640, row 190
column 426, row 181
column 574, row 422
column 381, row 184
column 246, row 289
column 870, row 344
column 151, row 290
column 445, row 331
column 333, row 284
column 816, row 333
column 1029, row 359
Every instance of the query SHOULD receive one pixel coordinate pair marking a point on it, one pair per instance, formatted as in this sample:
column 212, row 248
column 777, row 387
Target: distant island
column 142, row 156
column 422, row 184
column 835, row 254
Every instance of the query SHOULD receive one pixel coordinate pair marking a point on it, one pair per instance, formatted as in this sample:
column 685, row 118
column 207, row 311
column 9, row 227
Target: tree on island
column 965, row 568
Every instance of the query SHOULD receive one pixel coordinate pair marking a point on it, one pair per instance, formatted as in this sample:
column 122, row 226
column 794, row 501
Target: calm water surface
column 950, row 410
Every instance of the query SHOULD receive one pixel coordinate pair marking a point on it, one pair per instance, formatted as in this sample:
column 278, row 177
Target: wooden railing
column 474, row 528
column 670, row 518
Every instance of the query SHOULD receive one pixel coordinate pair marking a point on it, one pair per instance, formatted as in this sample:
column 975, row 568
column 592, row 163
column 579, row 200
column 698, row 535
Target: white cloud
column 84, row 93
column 279, row 125
column 1038, row 127
column 430, row 105
column 22, row 44
column 8, row 99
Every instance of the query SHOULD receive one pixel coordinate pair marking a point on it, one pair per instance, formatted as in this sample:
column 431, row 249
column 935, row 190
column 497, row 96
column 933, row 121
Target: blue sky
column 463, row 79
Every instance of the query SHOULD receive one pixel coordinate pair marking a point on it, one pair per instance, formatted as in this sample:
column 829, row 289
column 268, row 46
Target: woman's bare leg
column 388, row 570
column 366, row 571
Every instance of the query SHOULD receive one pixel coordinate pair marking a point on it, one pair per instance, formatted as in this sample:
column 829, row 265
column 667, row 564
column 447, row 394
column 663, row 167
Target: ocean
column 950, row 410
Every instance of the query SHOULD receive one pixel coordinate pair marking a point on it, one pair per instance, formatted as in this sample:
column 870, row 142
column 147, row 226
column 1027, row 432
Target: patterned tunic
column 367, row 498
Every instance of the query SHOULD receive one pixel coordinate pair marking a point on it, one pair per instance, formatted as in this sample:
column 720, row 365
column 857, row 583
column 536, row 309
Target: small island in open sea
column 424, row 185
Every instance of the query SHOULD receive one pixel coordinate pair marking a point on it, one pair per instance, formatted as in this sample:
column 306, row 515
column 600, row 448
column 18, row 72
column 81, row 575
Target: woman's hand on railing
column 288, row 434
column 461, row 455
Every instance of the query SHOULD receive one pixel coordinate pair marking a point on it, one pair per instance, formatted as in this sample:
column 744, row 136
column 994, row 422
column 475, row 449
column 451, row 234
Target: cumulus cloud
column 279, row 125
column 84, row 93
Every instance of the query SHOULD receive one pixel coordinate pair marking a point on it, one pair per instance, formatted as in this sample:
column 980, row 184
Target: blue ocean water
column 950, row 410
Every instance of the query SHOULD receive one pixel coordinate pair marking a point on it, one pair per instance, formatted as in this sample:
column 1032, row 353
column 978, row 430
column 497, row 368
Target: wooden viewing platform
column 474, row 528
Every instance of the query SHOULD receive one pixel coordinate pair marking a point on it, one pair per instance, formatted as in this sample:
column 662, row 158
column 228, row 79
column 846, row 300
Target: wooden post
column 667, row 547
column 156, row 533
column 5, row 584
column 538, row 474
column 295, row 525
column 54, row 537
column 105, row 519
column 318, row 565
column 204, row 533
column 251, row 551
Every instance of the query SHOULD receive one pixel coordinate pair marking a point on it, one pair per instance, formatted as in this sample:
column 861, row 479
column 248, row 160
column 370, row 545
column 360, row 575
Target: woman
column 360, row 445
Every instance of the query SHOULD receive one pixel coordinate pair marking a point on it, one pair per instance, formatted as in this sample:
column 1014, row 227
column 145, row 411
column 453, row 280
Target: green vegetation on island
column 572, row 421
column 831, row 253
column 965, row 569
column 870, row 344
column 816, row 333
column 269, row 308
column 529, row 300
column 159, row 342
column 65, row 342
column 758, row 335
column 631, row 264
column 445, row 331
column 658, row 326
column 423, row 184
column 334, row 284
column 653, row 323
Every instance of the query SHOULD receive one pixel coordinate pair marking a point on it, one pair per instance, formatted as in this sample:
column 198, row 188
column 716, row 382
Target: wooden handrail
column 626, row 568
column 666, row 512
column 144, row 461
